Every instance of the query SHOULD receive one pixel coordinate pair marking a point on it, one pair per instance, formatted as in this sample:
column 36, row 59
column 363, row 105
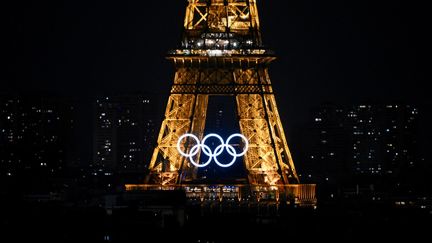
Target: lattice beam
column 235, row 16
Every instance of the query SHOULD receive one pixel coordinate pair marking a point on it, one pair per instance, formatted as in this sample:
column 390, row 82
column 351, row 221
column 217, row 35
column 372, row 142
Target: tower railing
column 297, row 194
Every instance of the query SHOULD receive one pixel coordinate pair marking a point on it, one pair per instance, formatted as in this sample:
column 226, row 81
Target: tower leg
column 185, row 113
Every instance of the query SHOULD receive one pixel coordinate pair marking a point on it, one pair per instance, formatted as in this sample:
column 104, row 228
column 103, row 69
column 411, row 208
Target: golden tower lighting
column 222, row 54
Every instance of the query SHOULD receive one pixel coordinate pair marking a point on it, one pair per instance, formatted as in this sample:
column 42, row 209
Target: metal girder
column 268, row 159
column 218, row 89
column 235, row 16
column 180, row 118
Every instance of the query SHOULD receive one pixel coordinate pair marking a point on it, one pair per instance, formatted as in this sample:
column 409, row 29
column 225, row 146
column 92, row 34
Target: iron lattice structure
column 222, row 54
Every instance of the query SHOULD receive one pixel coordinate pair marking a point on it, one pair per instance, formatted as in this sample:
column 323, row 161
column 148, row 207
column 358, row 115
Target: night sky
column 329, row 51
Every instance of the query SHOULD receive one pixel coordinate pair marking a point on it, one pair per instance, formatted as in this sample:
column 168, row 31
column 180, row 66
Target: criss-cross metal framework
column 222, row 54
column 235, row 16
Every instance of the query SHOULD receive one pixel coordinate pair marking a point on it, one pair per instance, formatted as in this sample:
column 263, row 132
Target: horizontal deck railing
column 300, row 194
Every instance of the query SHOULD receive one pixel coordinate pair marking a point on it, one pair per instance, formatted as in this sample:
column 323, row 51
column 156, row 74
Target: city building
column 367, row 151
column 35, row 135
column 366, row 147
column 124, row 130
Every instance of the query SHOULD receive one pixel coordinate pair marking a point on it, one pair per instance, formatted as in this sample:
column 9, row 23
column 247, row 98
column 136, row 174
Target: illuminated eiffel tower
column 222, row 54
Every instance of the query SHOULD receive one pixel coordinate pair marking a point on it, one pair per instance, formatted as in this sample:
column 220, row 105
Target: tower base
column 302, row 195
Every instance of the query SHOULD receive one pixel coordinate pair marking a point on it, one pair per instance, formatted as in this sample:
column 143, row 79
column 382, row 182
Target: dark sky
column 329, row 51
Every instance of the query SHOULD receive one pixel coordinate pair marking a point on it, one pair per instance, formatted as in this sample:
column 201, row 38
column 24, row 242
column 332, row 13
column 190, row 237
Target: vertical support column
column 260, row 160
column 165, row 162
column 281, row 146
column 255, row 24
column 188, row 172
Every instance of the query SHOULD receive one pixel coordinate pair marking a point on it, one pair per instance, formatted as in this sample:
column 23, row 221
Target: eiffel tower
column 222, row 54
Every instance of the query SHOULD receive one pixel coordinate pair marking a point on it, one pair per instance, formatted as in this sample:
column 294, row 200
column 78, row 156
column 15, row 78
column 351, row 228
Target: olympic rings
column 212, row 154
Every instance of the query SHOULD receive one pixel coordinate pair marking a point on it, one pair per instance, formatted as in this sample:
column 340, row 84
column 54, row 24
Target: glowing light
column 207, row 150
column 215, row 52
